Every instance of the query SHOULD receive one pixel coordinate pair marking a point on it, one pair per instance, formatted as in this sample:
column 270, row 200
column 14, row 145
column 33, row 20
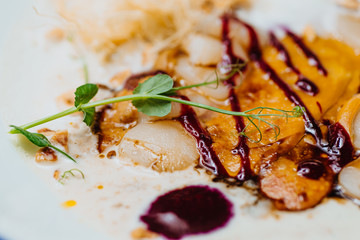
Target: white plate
column 28, row 208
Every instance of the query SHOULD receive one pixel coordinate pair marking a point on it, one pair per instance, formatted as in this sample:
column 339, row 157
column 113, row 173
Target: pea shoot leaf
column 89, row 116
column 83, row 95
column 36, row 138
column 39, row 140
column 153, row 107
column 155, row 85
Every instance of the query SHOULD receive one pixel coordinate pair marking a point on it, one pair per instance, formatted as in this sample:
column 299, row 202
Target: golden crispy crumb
column 56, row 35
column 111, row 154
column 45, row 130
column 45, row 155
column 142, row 233
column 309, row 33
column 61, row 137
column 56, row 137
column 56, row 174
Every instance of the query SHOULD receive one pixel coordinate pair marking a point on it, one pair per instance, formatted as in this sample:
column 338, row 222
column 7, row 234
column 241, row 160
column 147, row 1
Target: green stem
column 195, row 85
column 143, row 97
column 46, row 119
column 62, row 152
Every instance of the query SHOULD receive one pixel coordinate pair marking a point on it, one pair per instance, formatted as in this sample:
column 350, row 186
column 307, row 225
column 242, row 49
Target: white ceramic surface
column 30, row 210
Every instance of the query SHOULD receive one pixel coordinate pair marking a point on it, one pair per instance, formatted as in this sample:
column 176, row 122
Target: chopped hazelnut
column 56, row 174
column 45, row 155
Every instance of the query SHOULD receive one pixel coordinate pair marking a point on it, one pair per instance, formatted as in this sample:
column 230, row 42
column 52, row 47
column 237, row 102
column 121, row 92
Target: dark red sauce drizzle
column 307, row 86
column 339, row 147
column 256, row 55
column 303, row 83
column 187, row 211
column 308, row 53
column 311, row 169
column 133, row 81
column 208, row 157
column 228, row 58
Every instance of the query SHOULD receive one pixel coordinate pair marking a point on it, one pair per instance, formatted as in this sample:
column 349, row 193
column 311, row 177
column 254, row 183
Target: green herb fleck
column 68, row 173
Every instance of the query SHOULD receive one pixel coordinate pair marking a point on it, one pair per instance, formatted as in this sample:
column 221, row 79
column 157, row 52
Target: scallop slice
column 349, row 118
column 195, row 74
column 349, row 179
column 174, row 113
column 209, row 24
column 203, row 49
column 163, row 146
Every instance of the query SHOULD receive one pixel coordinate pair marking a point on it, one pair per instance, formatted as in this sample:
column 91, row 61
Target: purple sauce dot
column 307, row 86
column 313, row 169
column 187, row 211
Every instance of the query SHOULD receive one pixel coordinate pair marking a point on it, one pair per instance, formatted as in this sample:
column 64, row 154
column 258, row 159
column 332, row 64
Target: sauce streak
column 187, row 211
column 307, row 86
column 229, row 58
column 208, row 157
column 256, row 55
column 308, row 53
column 303, row 83
column 339, row 147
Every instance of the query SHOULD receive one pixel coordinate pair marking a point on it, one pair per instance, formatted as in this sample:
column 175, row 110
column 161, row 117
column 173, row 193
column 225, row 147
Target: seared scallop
column 163, row 145
column 194, row 75
column 349, row 118
column 349, row 179
column 203, row 49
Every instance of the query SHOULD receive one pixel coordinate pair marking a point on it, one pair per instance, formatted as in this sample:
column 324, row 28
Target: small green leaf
column 89, row 116
column 158, row 84
column 153, row 107
column 39, row 140
column 36, row 138
column 63, row 153
column 85, row 93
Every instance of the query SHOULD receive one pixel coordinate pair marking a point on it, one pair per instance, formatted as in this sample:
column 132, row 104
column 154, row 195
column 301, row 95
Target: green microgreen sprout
column 153, row 98
column 69, row 173
column 40, row 140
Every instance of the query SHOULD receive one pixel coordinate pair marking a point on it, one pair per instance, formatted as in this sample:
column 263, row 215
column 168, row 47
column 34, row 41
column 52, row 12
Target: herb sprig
column 153, row 97
column 40, row 140
column 70, row 172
